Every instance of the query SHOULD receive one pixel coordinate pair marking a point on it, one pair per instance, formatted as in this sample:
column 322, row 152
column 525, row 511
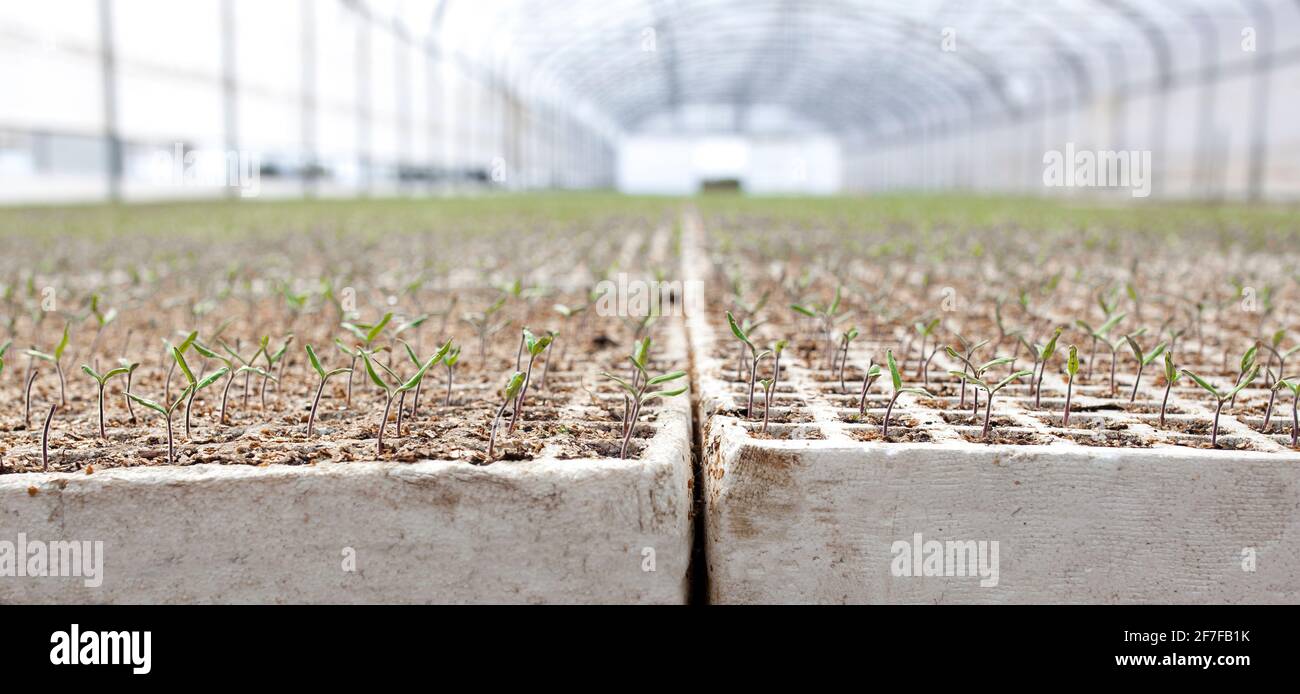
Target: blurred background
column 160, row 99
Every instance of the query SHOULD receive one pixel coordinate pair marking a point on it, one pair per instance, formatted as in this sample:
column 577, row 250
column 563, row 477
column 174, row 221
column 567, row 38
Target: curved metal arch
column 983, row 65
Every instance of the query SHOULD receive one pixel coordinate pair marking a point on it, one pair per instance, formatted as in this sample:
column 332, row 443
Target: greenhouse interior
column 651, row 301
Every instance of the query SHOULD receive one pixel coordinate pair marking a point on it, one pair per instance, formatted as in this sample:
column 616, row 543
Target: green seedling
column 45, row 437
column 767, row 401
column 355, row 354
column 271, row 360
column 167, row 350
column 747, row 327
column 641, row 394
column 508, row 395
column 535, row 346
column 485, row 323
column 166, row 413
column 546, row 367
column 826, row 318
column 567, row 313
column 897, row 379
column 1172, row 374
column 1274, row 347
column 845, row 339
column 965, row 356
column 195, row 384
column 872, row 374
column 231, row 370
column 450, row 361
column 755, row 355
column 1100, row 335
column 991, row 390
column 777, row 348
column 101, row 380
column 925, row 329
column 102, row 319
column 1294, row 387
column 1071, row 370
column 247, row 368
column 1041, row 357
column 1248, row 360
column 130, row 367
column 56, row 357
column 1222, row 397
column 978, row 372
column 390, row 390
column 1143, row 359
column 324, row 376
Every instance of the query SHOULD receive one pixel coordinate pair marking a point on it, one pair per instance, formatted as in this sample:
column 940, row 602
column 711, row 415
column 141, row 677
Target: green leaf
column 414, row 381
column 1137, row 350
column 737, row 331
column 148, row 403
column 1013, row 377
column 208, row 353
column 189, row 340
column 1204, row 384
column 805, row 311
column 513, row 385
column 370, row 370
column 1072, row 362
column 1110, row 323
column 378, row 328
column 893, row 369
column 410, row 353
column 413, row 323
column 185, row 368
column 1250, row 377
column 118, row 371
column 621, row 383
column 91, row 372
column 664, row 378
column 1171, row 371
column 917, row 391
column 835, row 303
column 345, row 349
column 1155, row 354
column 315, row 361
column 662, row 394
column 63, row 344
column 259, row 371
column 641, row 353
column 969, row 378
column 999, row 361
column 211, row 378
column 1248, row 359
column 1050, row 348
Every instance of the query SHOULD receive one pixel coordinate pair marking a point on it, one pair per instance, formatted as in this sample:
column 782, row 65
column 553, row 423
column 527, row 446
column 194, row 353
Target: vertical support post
column 108, row 85
column 363, row 103
column 229, row 97
column 310, row 166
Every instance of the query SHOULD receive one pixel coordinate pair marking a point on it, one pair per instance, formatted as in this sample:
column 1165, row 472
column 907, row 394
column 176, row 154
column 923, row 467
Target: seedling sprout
column 1071, row 370
column 640, row 394
column 324, row 376
column 101, row 380
column 1142, row 359
column 1222, row 397
column 166, row 412
column 897, row 379
column 508, row 395
column 1172, row 374
column 56, row 357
